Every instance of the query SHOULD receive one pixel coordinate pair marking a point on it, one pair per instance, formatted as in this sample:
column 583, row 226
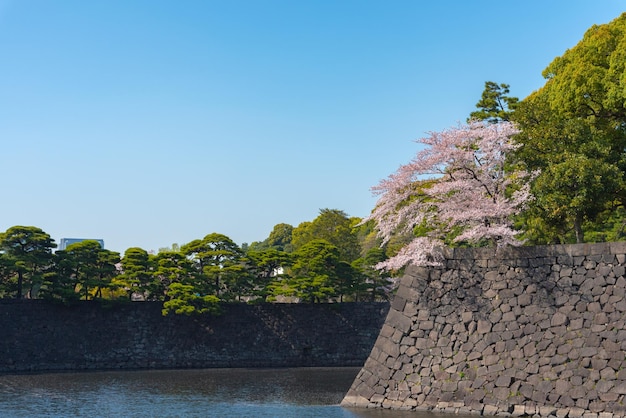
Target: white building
column 63, row 244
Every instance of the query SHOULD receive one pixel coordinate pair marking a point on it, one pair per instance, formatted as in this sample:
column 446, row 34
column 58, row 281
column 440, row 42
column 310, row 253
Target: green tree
column 334, row 226
column 267, row 267
column 574, row 127
column 137, row 274
column 372, row 283
column 314, row 272
column 81, row 267
column 588, row 81
column 218, row 259
column 185, row 301
column 346, row 280
column 237, row 280
column 28, row 252
column 280, row 238
column 8, row 282
column 60, row 285
column 171, row 267
column 366, row 235
column 106, row 270
column 495, row 105
column 572, row 192
column 301, row 235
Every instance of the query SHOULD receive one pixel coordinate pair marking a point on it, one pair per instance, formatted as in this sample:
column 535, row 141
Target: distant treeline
column 330, row 259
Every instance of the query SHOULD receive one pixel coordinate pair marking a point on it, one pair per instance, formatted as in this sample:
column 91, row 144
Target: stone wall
column 521, row 331
column 39, row 336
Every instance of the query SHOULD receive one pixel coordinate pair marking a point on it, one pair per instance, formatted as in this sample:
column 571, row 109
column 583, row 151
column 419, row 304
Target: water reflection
column 302, row 393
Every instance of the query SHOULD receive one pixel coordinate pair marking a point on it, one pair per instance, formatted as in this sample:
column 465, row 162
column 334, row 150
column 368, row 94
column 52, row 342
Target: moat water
column 299, row 392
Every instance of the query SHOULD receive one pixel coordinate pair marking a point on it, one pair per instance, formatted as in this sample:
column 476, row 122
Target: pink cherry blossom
column 458, row 181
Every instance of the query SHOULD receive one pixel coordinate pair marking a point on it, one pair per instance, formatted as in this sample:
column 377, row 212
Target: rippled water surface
column 301, row 392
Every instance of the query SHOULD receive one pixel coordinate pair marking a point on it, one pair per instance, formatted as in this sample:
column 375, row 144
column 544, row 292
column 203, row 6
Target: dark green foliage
column 137, row 274
column 183, row 300
column 82, row 270
column 267, row 266
column 373, row 284
column 495, row 105
column 280, row 237
column 8, row 278
column 217, row 258
column 171, row 267
column 335, row 227
column 204, row 271
column 27, row 257
column 314, row 272
column 573, row 132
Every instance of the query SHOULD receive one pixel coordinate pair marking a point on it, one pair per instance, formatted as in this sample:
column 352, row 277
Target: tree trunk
column 578, row 230
column 20, row 283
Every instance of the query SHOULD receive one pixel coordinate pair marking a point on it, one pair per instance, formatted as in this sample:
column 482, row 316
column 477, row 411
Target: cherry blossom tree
column 458, row 188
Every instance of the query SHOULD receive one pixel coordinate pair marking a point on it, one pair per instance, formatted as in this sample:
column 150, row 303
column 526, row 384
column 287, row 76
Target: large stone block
column 399, row 321
column 617, row 247
column 558, row 319
column 483, row 326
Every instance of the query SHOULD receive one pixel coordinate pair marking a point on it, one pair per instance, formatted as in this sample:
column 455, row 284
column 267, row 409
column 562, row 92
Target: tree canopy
column 495, row 105
column 333, row 226
column 573, row 133
column 28, row 251
column 457, row 188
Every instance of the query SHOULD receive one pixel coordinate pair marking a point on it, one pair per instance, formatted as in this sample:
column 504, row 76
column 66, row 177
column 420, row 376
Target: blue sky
column 149, row 122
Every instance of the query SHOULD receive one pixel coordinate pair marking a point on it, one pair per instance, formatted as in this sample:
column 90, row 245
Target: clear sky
column 149, row 122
